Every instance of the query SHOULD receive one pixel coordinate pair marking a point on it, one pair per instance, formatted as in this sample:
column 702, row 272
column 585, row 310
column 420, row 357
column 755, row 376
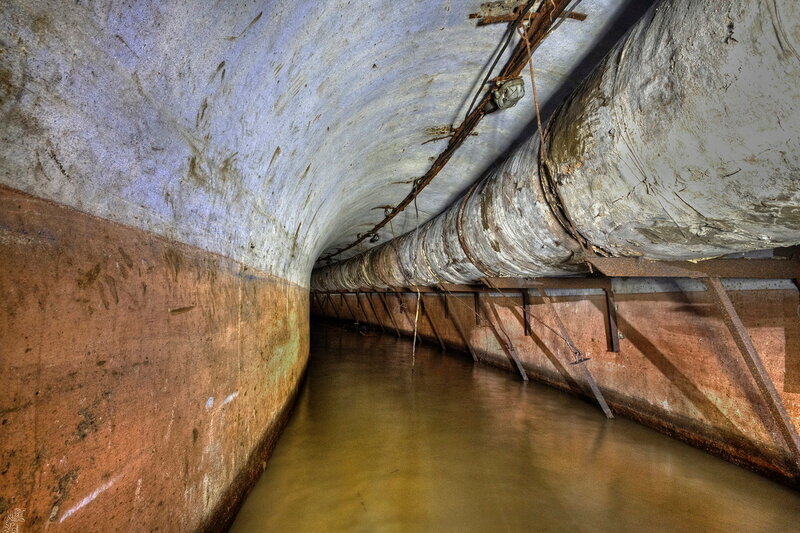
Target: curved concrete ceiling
column 269, row 132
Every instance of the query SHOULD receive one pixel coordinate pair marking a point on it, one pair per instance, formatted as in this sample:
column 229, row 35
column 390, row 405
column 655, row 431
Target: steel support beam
column 374, row 311
column 349, row 309
column 580, row 359
column 502, row 336
column 333, row 306
column 457, row 324
column 382, row 298
column 612, row 332
column 526, row 324
column 404, row 310
column 424, row 310
column 756, row 367
column 361, row 306
column 718, row 268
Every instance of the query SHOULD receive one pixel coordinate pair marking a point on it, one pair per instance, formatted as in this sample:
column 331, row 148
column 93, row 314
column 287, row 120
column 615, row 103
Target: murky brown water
column 457, row 447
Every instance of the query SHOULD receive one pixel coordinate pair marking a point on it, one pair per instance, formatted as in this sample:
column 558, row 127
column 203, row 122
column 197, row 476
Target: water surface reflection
column 372, row 446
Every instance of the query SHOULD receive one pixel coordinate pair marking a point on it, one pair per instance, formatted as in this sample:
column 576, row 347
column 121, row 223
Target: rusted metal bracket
column 610, row 316
column 756, row 367
column 718, row 268
column 349, row 309
column 382, row 298
column 457, row 324
column 526, row 323
column 374, row 312
column 425, row 312
column 502, row 335
column 612, row 332
column 580, row 359
column 363, row 309
column 404, row 310
column 333, row 307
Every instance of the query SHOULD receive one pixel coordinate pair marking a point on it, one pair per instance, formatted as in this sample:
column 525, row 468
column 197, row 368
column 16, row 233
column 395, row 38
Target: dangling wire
column 414, row 344
column 524, row 36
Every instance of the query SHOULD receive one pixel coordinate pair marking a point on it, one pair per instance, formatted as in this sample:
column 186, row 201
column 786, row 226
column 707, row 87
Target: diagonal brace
column 580, row 359
column 756, row 367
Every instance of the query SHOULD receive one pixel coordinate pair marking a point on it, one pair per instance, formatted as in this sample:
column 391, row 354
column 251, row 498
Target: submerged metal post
column 756, row 367
column 580, row 359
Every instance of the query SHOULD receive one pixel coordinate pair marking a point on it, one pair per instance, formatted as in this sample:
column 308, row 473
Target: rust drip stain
column 111, row 409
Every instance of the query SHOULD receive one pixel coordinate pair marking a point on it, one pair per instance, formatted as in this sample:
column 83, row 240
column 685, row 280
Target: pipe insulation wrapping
column 682, row 144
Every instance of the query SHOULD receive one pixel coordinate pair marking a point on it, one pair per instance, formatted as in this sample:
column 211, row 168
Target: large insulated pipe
column 683, row 144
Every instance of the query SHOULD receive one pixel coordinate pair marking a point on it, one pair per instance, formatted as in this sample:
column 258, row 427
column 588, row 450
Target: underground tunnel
column 443, row 265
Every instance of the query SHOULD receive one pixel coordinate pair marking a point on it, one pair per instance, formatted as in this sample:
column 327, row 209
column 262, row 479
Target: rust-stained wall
column 678, row 369
column 143, row 382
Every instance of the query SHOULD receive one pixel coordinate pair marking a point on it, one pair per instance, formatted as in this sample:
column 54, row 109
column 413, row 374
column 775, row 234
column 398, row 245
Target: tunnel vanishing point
column 602, row 195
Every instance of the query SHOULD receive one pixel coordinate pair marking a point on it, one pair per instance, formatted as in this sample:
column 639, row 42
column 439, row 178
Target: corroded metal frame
column 606, row 268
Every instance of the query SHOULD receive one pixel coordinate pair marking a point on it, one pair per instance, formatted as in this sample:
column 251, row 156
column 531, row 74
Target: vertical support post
column 382, row 298
column 425, row 312
column 374, row 312
column 612, row 332
column 505, row 339
column 457, row 324
column 580, row 360
column 756, row 367
column 526, row 323
column 476, row 300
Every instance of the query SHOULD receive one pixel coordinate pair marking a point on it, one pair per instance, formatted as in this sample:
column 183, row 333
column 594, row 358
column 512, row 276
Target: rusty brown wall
column 142, row 382
column 678, row 369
